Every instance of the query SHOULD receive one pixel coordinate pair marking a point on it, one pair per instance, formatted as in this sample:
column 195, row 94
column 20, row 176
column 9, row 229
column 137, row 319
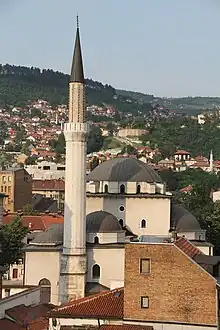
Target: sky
column 161, row 47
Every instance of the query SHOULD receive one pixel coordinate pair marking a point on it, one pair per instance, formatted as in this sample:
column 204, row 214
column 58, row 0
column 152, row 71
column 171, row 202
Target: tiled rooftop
column 35, row 222
column 105, row 304
column 48, row 185
column 124, row 327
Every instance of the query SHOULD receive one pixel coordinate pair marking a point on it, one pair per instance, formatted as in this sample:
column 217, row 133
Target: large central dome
column 124, row 170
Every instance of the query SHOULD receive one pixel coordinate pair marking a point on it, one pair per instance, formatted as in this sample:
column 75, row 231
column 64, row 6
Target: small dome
column 52, row 236
column 183, row 220
column 102, row 222
column 124, row 170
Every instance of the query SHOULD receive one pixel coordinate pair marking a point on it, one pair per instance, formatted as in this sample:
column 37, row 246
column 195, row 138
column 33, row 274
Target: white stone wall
column 111, row 262
column 156, row 212
column 39, row 265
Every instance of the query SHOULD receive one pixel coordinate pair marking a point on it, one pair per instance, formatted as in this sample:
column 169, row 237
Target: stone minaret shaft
column 73, row 265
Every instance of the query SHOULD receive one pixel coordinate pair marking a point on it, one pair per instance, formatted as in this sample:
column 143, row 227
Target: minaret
column 73, row 263
column 211, row 162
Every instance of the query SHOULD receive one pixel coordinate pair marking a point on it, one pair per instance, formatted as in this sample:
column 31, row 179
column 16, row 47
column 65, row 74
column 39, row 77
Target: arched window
column 122, row 189
column 143, row 223
column 106, row 188
column 96, row 271
column 45, row 282
column 138, row 189
column 121, row 222
column 96, row 240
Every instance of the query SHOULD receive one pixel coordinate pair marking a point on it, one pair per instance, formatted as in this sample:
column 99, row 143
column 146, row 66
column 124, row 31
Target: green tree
column 28, row 210
column 95, row 140
column 11, row 241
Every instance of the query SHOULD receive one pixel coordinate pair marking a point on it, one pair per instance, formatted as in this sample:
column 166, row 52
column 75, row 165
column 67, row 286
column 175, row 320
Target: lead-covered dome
column 124, row 170
column 183, row 220
column 102, row 222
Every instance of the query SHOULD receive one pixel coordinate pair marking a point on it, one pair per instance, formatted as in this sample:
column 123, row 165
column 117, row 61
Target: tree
column 128, row 149
column 95, row 140
column 28, row 210
column 30, row 161
column 11, row 241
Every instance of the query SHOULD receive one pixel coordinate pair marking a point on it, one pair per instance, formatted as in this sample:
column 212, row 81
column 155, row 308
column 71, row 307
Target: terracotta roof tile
column 182, row 152
column 191, row 250
column 188, row 248
column 36, row 222
column 48, row 185
column 108, row 304
column 27, row 314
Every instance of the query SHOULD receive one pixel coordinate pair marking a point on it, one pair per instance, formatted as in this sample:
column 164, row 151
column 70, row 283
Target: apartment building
column 16, row 183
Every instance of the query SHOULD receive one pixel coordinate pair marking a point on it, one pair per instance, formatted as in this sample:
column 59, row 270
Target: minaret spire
column 77, row 72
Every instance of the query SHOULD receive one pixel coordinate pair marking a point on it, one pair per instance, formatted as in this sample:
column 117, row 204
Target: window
column 138, row 189
column 4, row 179
column 96, row 271
column 144, row 302
column 9, row 189
column 15, row 273
column 121, row 208
column 46, row 168
column 39, row 167
column 122, row 189
column 143, row 223
column 121, row 222
column 106, row 188
column 145, row 266
column 2, row 189
column 9, row 179
column 60, row 168
column 5, row 189
column 7, row 293
column 96, row 240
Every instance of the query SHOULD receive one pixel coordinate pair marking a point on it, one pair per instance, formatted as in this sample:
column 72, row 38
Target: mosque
column 121, row 200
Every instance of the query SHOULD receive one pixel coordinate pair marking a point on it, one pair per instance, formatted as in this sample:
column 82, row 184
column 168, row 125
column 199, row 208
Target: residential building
column 51, row 189
column 16, row 183
column 46, row 171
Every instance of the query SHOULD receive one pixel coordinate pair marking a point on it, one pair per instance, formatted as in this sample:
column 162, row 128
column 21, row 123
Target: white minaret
column 73, row 261
column 211, row 162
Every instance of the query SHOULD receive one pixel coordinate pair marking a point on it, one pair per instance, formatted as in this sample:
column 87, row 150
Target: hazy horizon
column 165, row 48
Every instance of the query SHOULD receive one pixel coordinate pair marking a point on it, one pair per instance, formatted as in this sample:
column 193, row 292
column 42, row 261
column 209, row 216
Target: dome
column 124, row 170
column 183, row 220
column 102, row 222
column 52, row 236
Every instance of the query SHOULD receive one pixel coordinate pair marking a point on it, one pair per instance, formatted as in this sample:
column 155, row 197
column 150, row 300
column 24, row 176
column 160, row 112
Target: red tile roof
column 35, row 222
column 187, row 188
column 107, row 304
column 48, row 185
column 124, row 327
column 27, row 314
column 187, row 247
column 182, row 152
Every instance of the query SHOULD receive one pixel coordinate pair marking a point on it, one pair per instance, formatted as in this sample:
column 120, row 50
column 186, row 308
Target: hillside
column 20, row 84
column 188, row 105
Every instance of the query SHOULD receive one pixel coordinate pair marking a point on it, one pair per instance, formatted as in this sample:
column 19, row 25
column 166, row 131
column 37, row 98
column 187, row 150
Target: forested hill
column 19, row 84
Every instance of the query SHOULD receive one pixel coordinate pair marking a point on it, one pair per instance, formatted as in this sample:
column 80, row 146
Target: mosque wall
column 43, row 265
column 132, row 210
column 111, row 263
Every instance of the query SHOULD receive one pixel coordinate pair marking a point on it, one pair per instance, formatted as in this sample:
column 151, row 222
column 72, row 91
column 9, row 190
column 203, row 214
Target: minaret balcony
column 76, row 127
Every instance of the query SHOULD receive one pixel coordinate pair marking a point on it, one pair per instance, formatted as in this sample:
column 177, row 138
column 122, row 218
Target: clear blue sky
column 164, row 47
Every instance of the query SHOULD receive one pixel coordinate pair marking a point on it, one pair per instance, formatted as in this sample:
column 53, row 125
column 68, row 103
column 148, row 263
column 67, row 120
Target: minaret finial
column 77, row 21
